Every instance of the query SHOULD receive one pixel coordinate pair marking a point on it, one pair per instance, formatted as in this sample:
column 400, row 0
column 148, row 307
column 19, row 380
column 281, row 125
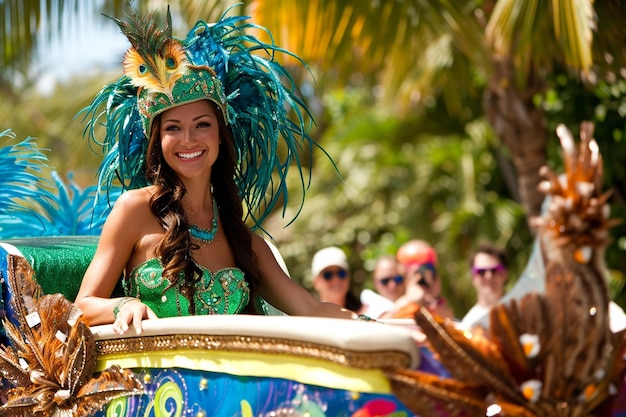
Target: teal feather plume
column 31, row 205
column 262, row 99
column 70, row 210
column 267, row 115
column 124, row 145
column 20, row 167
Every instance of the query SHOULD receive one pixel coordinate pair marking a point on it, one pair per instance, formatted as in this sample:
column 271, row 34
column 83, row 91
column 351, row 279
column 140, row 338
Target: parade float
column 221, row 365
column 543, row 353
column 53, row 363
column 546, row 351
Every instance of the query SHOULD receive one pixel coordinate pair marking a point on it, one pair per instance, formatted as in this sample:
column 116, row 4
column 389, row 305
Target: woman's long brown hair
column 175, row 249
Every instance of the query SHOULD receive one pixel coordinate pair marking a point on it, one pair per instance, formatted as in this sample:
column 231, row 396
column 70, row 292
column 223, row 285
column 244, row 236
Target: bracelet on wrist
column 118, row 306
column 363, row 317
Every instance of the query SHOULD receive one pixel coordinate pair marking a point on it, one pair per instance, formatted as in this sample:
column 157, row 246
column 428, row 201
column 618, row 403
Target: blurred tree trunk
column 520, row 125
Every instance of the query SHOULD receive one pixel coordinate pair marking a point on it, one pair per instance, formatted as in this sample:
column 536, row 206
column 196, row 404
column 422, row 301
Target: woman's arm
column 287, row 295
column 121, row 231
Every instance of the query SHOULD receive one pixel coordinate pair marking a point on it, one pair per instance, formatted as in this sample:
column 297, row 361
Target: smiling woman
column 190, row 140
column 193, row 131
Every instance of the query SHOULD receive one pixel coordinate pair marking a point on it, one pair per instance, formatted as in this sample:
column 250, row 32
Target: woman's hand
column 129, row 310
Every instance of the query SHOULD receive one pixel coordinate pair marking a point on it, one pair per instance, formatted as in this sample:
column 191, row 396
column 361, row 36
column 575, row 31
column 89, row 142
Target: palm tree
column 413, row 50
column 409, row 56
column 527, row 44
column 28, row 26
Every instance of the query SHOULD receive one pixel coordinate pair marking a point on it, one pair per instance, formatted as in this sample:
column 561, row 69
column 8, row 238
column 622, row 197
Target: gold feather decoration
column 51, row 359
column 550, row 354
column 156, row 59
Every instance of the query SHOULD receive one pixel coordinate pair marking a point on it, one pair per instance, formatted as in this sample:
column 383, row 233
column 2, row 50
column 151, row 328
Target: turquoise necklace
column 204, row 235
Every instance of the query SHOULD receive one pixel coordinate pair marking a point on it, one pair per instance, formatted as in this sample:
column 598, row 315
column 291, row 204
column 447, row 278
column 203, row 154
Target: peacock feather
column 156, row 60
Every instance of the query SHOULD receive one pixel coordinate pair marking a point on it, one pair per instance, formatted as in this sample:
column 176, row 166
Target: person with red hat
column 418, row 261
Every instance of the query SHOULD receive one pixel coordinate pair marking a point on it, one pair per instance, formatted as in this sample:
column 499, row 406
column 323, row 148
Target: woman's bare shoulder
column 268, row 255
column 133, row 204
column 131, row 218
column 258, row 243
column 135, row 199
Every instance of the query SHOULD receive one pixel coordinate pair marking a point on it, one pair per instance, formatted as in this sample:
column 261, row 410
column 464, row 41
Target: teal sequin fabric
column 222, row 292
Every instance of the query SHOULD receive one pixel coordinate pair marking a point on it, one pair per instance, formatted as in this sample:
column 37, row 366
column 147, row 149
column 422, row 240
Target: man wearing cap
column 418, row 262
column 331, row 278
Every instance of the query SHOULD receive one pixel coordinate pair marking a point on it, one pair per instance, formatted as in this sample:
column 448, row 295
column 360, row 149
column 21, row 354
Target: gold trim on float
column 304, row 362
column 350, row 358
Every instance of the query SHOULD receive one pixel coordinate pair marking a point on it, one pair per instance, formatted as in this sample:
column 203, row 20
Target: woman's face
column 332, row 284
column 190, row 138
column 387, row 279
column 488, row 274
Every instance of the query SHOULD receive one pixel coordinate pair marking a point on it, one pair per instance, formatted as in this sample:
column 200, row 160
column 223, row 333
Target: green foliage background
column 401, row 165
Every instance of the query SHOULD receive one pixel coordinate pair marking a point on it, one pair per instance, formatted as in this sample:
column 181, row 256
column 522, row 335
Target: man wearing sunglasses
column 389, row 286
column 418, row 262
column 388, row 280
column 332, row 280
column 489, row 270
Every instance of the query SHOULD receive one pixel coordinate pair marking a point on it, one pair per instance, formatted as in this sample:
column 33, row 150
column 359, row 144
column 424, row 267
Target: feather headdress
column 158, row 65
column 215, row 62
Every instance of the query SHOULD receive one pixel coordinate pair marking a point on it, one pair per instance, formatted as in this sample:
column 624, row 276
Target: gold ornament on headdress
column 158, row 65
column 156, row 72
column 156, row 60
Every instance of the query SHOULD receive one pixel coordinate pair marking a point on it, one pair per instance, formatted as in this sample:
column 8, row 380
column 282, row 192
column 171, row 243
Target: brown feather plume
column 428, row 395
column 52, row 357
column 549, row 354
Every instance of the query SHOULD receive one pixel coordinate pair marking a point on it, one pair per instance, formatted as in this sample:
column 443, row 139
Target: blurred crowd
column 407, row 280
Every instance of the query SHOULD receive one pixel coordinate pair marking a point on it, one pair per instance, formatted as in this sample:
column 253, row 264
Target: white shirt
column 376, row 304
column 473, row 316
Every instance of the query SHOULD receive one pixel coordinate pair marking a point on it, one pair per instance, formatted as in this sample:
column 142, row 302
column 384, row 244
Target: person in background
column 332, row 279
column 389, row 286
column 418, row 261
column 489, row 269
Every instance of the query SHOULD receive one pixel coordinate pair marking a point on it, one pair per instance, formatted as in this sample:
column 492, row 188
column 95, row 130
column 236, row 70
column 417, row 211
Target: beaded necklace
column 205, row 235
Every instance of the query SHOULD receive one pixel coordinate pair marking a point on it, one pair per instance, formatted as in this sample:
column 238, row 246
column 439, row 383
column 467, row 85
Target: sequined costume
column 221, row 292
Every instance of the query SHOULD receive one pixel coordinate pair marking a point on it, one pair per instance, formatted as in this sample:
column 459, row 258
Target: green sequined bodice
column 221, row 292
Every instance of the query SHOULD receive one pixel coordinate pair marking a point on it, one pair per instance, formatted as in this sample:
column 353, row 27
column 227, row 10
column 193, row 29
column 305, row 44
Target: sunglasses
column 341, row 273
column 398, row 279
column 483, row 271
